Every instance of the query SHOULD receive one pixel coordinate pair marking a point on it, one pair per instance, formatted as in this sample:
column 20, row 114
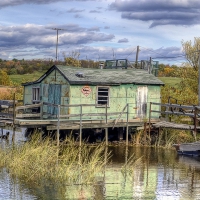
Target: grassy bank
column 36, row 160
column 165, row 139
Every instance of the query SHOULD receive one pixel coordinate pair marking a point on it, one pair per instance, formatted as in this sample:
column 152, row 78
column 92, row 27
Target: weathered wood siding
column 28, row 93
column 49, row 92
column 56, row 90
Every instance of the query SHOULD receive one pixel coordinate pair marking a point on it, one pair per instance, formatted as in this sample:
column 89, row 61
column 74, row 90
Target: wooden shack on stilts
column 67, row 98
column 96, row 100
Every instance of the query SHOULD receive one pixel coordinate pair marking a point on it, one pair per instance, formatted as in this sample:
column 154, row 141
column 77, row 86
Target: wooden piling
column 150, row 119
column 58, row 127
column 13, row 135
column 106, row 133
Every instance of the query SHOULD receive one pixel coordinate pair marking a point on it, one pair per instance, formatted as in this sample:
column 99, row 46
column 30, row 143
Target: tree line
column 16, row 66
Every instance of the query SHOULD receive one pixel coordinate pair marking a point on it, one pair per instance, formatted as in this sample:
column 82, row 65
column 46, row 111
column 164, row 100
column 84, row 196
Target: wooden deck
column 172, row 125
column 25, row 116
column 34, row 116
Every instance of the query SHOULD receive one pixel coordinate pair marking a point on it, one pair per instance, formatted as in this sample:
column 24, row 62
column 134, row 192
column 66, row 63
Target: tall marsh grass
column 165, row 138
column 38, row 159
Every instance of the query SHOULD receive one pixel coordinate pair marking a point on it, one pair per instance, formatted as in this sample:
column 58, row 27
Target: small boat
column 190, row 149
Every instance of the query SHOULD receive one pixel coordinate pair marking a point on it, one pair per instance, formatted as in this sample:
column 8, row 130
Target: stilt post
column 58, row 127
column 106, row 132
column 150, row 118
column 13, row 136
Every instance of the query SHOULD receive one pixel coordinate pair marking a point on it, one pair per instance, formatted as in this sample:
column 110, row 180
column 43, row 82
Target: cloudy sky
column 98, row 29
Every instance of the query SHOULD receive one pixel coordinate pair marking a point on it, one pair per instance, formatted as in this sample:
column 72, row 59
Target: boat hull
column 189, row 153
column 191, row 149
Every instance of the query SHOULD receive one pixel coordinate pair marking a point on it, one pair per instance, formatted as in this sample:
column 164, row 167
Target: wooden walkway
column 172, row 125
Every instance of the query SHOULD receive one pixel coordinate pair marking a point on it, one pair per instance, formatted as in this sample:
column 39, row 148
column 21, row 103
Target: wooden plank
column 90, row 114
column 141, row 128
column 69, row 105
column 174, row 113
column 165, row 124
column 27, row 115
column 6, row 114
column 32, row 122
column 89, row 125
column 4, row 106
column 175, row 106
column 28, row 106
column 84, row 114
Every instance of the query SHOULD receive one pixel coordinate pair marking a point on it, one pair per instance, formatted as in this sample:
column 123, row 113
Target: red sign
column 86, row 90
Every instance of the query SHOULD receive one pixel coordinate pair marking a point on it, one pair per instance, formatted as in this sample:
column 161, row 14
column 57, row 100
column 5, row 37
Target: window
column 36, row 95
column 102, row 96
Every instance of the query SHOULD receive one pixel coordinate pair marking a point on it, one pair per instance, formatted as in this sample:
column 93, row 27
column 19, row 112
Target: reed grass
column 165, row 139
column 38, row 159
column 131, row 164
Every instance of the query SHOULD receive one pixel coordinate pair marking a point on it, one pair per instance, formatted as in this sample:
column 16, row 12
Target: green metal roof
column 91, row 76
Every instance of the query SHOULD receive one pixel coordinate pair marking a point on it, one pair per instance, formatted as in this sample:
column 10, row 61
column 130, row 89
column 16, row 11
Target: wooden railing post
column 106, row 113
column 41, row 110
column 195, row 123
column 80, row 133
column 127, row 119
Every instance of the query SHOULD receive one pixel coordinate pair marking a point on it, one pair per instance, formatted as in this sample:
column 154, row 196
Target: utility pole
column 199, row 81
column 57, row 29
column 113, row 54
column 150, row 68
column 137, row 53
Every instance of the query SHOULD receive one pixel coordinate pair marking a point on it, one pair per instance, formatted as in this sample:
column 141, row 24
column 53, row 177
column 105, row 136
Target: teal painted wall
column 72, row 94
column 119, row 97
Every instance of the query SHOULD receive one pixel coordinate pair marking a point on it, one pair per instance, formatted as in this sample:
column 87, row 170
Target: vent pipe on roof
column 80, row 74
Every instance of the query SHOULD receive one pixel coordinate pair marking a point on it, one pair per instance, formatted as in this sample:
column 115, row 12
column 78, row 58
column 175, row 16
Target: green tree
column 4, row 78
column 191, row 51
column 73, row 59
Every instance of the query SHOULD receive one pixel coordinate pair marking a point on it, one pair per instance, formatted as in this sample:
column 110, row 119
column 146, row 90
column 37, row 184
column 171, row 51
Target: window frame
column 36, row 95
column 98, row 96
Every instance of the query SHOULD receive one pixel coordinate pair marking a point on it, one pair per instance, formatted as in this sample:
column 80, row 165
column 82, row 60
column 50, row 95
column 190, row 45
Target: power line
column 131, row 52
column 159, row 53
column 166, row 57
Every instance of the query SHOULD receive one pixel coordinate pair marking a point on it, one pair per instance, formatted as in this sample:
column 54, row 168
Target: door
column 54, row 97
column 142, row 101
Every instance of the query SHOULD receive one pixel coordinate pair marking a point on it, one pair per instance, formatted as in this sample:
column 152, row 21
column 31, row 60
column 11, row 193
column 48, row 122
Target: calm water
column 161, row 174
